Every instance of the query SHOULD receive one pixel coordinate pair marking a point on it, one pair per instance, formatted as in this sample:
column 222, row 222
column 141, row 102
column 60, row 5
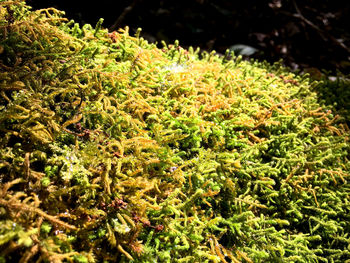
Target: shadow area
column 334, row 93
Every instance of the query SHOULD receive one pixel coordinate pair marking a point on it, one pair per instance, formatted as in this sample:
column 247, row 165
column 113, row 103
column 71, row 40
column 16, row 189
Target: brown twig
column 126, row 10
column 324, row 34
column 27, row 208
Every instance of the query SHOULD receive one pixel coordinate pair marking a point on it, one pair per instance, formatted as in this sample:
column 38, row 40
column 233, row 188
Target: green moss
column 115, row 150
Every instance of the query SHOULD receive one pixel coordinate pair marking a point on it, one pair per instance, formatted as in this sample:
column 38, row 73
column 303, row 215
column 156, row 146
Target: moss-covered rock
column 115, row 150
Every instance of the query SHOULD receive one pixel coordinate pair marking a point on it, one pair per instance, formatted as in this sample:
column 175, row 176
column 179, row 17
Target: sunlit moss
column 115, row 150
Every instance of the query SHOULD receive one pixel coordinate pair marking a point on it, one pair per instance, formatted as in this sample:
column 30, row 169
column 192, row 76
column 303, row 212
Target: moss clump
column 114, row 150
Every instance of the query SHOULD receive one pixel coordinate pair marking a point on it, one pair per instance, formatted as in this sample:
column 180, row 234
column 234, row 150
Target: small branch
column 28, row 208
column 126, row 10
column 324, row 34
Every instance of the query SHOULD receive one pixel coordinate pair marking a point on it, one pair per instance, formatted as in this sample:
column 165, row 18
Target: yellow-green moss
column 115, row 150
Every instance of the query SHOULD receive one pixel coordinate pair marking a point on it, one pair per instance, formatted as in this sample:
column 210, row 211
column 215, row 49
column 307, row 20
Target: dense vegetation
column 115, row 150
column 308, row 35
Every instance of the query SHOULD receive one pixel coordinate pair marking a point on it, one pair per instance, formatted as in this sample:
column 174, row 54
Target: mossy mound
column 114, row 150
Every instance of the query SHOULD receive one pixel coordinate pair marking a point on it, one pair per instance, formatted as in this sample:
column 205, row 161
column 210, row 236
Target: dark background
column 307, row 35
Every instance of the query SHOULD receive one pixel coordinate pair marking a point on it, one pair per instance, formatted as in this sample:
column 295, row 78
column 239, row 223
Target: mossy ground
column 116, row 150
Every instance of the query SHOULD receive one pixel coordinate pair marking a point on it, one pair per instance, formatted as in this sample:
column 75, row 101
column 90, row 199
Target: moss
column 115, row 150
